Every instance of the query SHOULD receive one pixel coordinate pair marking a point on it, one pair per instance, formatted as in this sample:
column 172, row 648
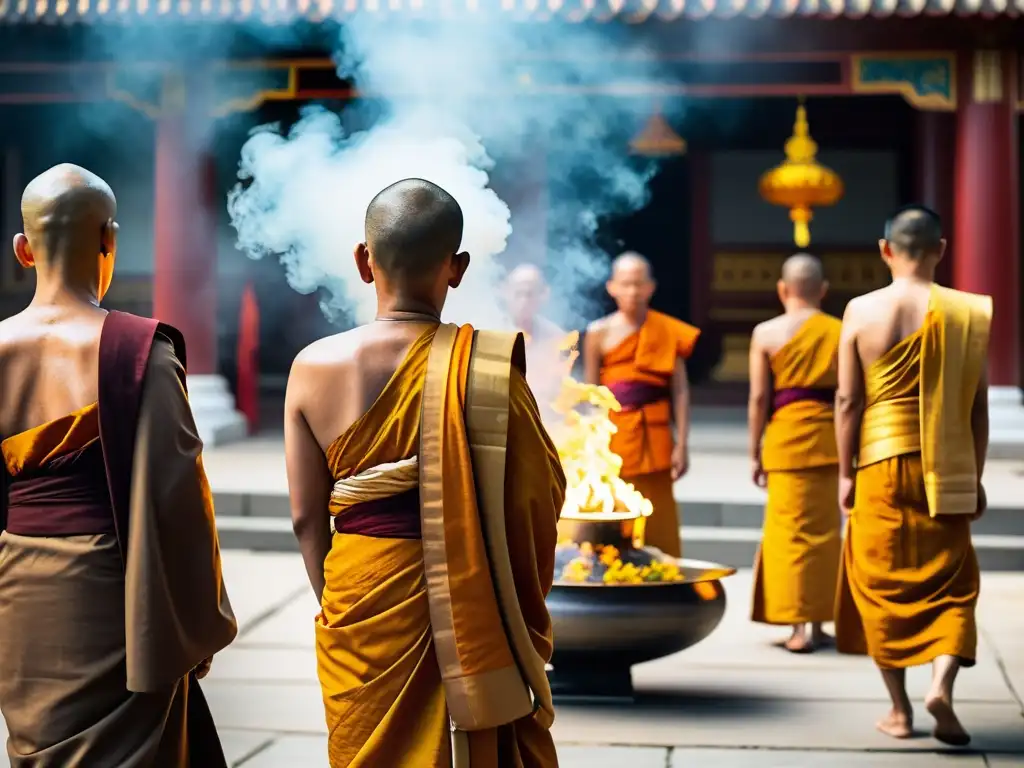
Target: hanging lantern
column 657, row 139
column 801, row 183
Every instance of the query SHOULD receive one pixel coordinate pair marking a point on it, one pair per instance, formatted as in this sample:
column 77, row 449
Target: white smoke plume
column 457, row 98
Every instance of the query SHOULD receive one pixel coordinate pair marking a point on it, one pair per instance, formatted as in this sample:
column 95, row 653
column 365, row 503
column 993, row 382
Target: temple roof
column 630, row 11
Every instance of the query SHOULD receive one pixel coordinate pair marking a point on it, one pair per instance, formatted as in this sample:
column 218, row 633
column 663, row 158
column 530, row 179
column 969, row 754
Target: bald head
column 915, row 232
column 412, row 227
column 633, row 264
column 631, row 283
column 68, row 213
column 526, row 292
column 803, row 276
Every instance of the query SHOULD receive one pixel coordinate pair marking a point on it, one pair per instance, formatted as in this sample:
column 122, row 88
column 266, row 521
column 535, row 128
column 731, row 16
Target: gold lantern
column 801, row 183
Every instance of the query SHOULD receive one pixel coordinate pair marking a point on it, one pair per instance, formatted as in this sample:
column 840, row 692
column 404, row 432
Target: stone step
column 998, row 521
column 734, row 546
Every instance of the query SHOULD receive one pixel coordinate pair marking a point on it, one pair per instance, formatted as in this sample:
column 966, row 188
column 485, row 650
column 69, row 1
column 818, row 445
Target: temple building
column 905, row 101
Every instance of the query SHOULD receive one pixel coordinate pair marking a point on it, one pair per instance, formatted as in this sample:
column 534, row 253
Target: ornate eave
column 629, row 11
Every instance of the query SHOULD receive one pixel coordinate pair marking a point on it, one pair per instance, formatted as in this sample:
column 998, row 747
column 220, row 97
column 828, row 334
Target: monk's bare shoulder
column 600, row 326
column 860, row 309
column 332, row 355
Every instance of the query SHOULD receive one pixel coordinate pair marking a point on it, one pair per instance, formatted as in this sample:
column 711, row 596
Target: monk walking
column 793, row 450
column 526, row 293
column 640, row 355
column 425, row 499
column 912, row 431
column 112, row 601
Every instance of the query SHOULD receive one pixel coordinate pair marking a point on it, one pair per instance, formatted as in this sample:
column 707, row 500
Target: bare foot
column 947, row 726
column 799, row 643
column 896, row 725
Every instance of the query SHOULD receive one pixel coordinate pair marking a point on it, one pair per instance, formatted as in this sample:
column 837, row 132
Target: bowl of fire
column 615, row 604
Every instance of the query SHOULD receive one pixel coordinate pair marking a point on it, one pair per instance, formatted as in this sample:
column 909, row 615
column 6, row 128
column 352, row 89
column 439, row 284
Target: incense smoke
column 456, row 99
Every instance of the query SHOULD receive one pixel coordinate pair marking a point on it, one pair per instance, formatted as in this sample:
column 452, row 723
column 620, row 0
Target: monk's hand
column 982, row 503
column 847, row 492
column 680, row 461
column 758, row 473
column 203, row 668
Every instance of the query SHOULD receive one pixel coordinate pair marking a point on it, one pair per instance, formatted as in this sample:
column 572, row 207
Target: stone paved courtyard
column 733, row 701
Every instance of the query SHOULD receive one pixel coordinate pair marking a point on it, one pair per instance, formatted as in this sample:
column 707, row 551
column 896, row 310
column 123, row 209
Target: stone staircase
column 720, row 509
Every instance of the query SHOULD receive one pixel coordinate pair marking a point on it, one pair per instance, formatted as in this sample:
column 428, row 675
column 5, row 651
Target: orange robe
column 798, row 561
column 644, row 440
column 411, row 630
column 909, row 581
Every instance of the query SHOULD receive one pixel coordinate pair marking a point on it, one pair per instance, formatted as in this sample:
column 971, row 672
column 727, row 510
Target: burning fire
column 594, row 490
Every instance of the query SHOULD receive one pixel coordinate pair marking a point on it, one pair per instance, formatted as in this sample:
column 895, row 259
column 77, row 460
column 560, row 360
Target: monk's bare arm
column 681, row 403
column 592, row 354
column 849, row 407
column 760, row 394
column 309, row 483
column 979, row 423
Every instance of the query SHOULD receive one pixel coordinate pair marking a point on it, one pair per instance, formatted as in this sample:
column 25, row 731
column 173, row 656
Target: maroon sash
column 393, row 517
column 634, row 395
column 790, row 395
column 125, row 345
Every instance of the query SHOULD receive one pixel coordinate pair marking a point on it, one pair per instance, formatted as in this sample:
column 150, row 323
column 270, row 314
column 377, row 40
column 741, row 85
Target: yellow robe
column 909, row 579
column 383, row 666
column 797, row 563
column 644, row 437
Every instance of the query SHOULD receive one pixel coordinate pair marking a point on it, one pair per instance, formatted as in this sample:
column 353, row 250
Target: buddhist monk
column 425, row 497
column 526, row 293
column 793, row 450
column 640, row 355
column 912, row 432
column 112, row 601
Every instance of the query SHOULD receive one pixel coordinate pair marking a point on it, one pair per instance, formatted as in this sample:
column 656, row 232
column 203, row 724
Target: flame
column 594, row 490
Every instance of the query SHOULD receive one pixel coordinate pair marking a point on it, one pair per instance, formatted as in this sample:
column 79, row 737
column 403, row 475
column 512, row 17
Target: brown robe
column 103, row 621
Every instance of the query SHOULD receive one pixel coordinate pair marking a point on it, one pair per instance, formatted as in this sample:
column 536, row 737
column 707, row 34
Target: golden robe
column 644, row 363
column 96, row 654
column 412, row 632
column 909, row 579
column 797, row 563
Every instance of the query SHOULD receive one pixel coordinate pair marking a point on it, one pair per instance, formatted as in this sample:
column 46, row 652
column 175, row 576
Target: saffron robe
column 797, row 564
column 909, row 579
column 411, row 633
column 110, row 582
column 639, row 371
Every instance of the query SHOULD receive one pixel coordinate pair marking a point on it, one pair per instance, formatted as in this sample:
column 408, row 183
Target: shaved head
column 526, row 274
column 631, row 283
column 526, row 292
column 804, row 276
column 915, row 232
column 632, row 262
column 67, row 212
column 412, row 227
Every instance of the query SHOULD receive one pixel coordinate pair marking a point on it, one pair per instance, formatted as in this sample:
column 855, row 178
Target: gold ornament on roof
column 657, row 139
column 801, row 182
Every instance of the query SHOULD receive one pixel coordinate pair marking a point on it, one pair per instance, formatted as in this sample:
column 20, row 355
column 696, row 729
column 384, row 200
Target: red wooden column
column 987, row 229
column 934, row 176
column 185, row 263
column 185, row 248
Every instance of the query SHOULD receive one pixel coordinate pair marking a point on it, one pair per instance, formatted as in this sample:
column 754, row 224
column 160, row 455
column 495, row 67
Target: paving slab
column 760, row 758
column 290, row 752
column 612, row 757
column 240, row 745
column 271, row 707
column 707, row 718
column 292, row 626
